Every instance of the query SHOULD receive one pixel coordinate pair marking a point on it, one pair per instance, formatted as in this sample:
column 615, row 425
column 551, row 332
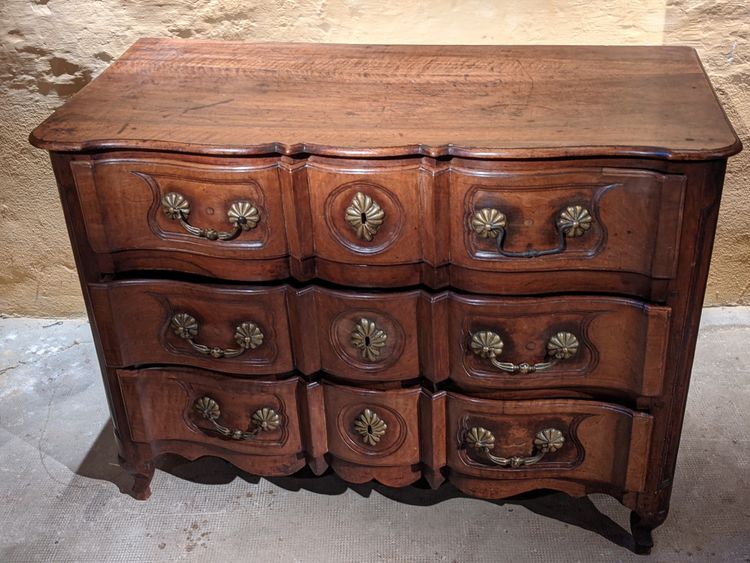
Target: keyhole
column 369, row 429
column 363, row 217
column 367, row 340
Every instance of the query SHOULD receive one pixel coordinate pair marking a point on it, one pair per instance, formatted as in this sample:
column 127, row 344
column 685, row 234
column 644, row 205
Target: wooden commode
column 478, row 264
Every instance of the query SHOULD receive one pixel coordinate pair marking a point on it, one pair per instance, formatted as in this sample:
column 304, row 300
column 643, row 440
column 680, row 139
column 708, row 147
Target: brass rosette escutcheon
column 489, row 346
column 562, row 346
column 242, row 216
column 488, row 222
column 247, row 335
column 370, row 426
column 574, row 221
column 486, row 344
column 368, row 339
column 263, row 420
column 365, row 216
column 546, row 441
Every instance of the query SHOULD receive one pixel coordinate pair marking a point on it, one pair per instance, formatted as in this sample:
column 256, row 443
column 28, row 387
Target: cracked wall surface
column 49, row 49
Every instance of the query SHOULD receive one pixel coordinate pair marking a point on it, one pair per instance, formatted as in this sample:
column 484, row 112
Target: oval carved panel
column 337, row 212
column 390, row 440
column 372, row 345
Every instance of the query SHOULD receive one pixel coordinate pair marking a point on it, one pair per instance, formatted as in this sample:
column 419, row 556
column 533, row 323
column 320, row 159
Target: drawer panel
column 615, row 220
column 127, row 216
column 393, row 223
column 170, row 409
column 237, row 330
column 365, row 212
column 373, row 428
column 595, row 343
column 584, row 441
column 365, row 336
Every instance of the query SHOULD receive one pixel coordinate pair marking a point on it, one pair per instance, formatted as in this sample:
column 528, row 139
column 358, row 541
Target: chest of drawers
column 480, row 264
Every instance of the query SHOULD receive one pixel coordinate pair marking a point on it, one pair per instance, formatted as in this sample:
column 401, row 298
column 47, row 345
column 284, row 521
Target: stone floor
column 59, row 497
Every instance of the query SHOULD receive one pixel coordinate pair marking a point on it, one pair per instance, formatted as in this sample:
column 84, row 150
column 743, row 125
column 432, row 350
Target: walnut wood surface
column 622, row 341
column 604, row 443
column 394, row 459
column 426, row 235
column 373, row 100
column 501, row 127
column 161, row 413
column 139, row 313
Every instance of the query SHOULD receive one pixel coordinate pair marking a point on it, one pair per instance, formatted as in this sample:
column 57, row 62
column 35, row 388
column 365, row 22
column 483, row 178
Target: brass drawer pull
column 365, row 216
column 263, row 420
column 247, row 335
column 573, row 221
column 487, row 344
column 370, row 426
column 545, row 442
column 242, row 215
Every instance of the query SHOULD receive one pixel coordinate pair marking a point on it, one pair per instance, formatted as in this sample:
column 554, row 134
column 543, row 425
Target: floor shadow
column 580, row 512
column 101, row 463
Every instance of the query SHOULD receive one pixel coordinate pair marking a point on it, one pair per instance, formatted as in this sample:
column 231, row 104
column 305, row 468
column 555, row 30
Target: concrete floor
column 59, row 498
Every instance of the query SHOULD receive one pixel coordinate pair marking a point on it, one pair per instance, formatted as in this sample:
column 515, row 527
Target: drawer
column 195, row 413
column 506, row 220
column 594, row 343
column 166, row 212
column 592, row 443
column 365, row 212
column 231, row 329
column 374, row 434
column 360, row 336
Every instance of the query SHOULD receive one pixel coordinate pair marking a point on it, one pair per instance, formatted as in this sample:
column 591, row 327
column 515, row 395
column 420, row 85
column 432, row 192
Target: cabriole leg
column 141, row 469
column 641, row 526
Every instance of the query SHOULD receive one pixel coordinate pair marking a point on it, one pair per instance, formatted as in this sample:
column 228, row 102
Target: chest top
column 231, row 98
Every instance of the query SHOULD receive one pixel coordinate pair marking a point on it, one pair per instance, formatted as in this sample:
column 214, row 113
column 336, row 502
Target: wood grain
column 139, row 330
column 431, row 133
column 394, row 458
column 426, row 236
column 161, row 413
column 233, row 98
column 599, row 440
column 621, row 343
column 622, row 348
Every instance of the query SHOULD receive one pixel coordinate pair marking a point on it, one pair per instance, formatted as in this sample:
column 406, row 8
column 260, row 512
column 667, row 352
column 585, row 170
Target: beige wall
column 51, row 48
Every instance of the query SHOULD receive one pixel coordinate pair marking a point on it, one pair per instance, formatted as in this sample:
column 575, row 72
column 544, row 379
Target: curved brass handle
column 546, row 441
column 242, row 215
column 573, row 221
column 487, row 344
column 365, row 216
column 263, row 420
column 370, row 426
column 247, row 335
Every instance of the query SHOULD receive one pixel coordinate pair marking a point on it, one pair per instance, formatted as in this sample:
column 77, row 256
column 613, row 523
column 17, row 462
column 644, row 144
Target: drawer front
column 365, row 336
column 208, row 410
column 185, row 214
column 373, row 428
column 614, row 220
column 235, row 330
column 585, row 441
column 571, row 344
column 594, row 343
column 365, row 212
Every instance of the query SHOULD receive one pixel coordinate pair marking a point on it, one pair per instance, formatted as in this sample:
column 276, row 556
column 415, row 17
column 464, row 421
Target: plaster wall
column 49, row 49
